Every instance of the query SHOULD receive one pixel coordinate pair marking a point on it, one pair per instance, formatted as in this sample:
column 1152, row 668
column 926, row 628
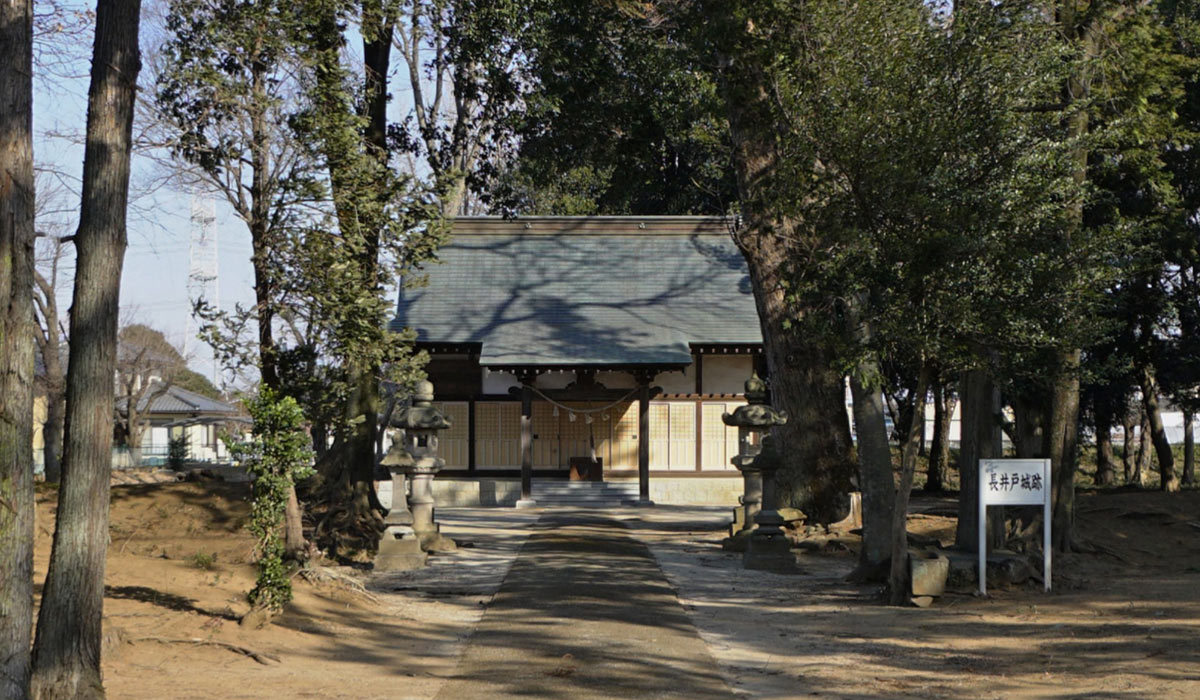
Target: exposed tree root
column 324, row 575
column 260, row 656
column 345, row 516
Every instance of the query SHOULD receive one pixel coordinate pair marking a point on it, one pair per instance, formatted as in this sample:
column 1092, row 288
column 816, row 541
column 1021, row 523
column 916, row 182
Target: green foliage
column 203, row 560
column 177, row 452
column 619, row 118
column 277, row 456
column 194, row 381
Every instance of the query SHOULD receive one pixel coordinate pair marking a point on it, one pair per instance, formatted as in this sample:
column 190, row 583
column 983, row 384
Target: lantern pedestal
column 769, row 549
column 750, row 503
column 399, row 549
column 422, row 504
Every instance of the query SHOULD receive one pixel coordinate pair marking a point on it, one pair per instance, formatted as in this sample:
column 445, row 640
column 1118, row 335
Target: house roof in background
column 177, row 400
column 585, row 290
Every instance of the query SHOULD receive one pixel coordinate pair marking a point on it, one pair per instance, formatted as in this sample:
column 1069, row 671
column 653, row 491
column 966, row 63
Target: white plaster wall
column 554, row 380
column 498, row 382
column 726, row 374
column 678, row 382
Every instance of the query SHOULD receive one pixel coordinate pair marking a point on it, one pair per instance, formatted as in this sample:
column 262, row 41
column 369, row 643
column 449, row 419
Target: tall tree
column 385, row 225
column 66, row 652
column 17, row 331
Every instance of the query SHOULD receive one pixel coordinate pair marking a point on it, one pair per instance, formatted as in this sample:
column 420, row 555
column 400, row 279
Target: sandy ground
column 178, row 572
column 1110, row 629
column 1121, row 625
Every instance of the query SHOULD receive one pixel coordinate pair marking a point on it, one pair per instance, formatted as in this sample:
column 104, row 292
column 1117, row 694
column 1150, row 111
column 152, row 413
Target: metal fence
column 126, row 458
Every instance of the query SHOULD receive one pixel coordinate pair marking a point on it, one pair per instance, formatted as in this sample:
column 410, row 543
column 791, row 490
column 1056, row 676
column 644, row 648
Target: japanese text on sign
column 1010, row 482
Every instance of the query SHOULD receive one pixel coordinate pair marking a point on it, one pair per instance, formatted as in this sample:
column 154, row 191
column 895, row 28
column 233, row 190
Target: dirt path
column 585, row 613
column 1107, row 631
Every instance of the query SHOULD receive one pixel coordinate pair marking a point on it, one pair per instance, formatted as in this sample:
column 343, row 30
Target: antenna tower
column 203, row 268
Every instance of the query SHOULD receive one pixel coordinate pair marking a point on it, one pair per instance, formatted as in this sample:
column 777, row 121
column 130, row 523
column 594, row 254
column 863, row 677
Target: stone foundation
column 492, row 491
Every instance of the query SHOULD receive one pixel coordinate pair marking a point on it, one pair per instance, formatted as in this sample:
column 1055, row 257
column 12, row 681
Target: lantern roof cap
column 757, row 414
column 422, row 414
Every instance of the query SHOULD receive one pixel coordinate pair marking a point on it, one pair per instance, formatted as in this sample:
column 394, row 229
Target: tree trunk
column 1064, row 428
column 1189, row 448
column 362, row 192
column 1128, row 456
column 17, row 331
column 52, row 434
column 1105, row 470
column 66, row 654
column 1030, row 437
column 818, row 465
column 876, row 480
column 49, row 342
column 939, row 453
column 1145, row 451
column 1162, row 446
column 980, row 438
column 898, row 583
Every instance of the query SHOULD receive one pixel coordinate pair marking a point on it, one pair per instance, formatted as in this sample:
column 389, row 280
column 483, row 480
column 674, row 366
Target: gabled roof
column 178, row 400
column 585, row 290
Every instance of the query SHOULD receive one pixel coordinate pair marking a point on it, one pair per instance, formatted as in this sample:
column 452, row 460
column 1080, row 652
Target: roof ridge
column 594, row 225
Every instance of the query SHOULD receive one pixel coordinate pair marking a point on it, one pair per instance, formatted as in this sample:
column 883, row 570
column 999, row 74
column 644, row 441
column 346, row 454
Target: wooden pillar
column 644, row 439
column 526, row 447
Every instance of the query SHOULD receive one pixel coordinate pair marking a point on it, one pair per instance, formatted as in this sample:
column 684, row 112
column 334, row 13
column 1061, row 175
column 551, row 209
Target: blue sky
column 154, row 286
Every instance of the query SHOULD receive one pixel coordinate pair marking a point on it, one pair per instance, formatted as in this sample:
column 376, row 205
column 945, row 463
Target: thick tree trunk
column 360, row 182
column 66, row 654
column 1105, row 470
column 1064, row 429
column 1189, row 448
column 876, row 480
column 1030, row 437
column 17, row 332
column 980, row 438
column 1162, row 446
column 818, row 465
column 898, row 584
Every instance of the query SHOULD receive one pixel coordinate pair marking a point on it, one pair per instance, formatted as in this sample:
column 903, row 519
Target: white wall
column 677, row 382
column 726, row 374
column 498, row 382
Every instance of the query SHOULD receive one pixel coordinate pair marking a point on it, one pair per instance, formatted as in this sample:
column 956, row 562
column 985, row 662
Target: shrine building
column 587, row 348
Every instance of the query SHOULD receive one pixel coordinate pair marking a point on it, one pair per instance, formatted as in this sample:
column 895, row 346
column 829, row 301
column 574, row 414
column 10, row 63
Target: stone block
column 399, row 550
column 928, row 572
column 772, row 554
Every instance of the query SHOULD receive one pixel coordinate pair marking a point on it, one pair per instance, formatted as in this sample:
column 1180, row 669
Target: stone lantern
column 759, row 536
column 410, row 531
column 421, row 423
column 399, row 549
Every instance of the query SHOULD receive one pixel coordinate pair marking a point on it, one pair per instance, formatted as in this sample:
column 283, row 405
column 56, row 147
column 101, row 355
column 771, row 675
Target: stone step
column 583, row 494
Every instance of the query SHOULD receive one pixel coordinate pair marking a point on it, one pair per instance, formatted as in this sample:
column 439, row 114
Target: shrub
column 277, row 455
column 177, row 452
column 203, row 560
